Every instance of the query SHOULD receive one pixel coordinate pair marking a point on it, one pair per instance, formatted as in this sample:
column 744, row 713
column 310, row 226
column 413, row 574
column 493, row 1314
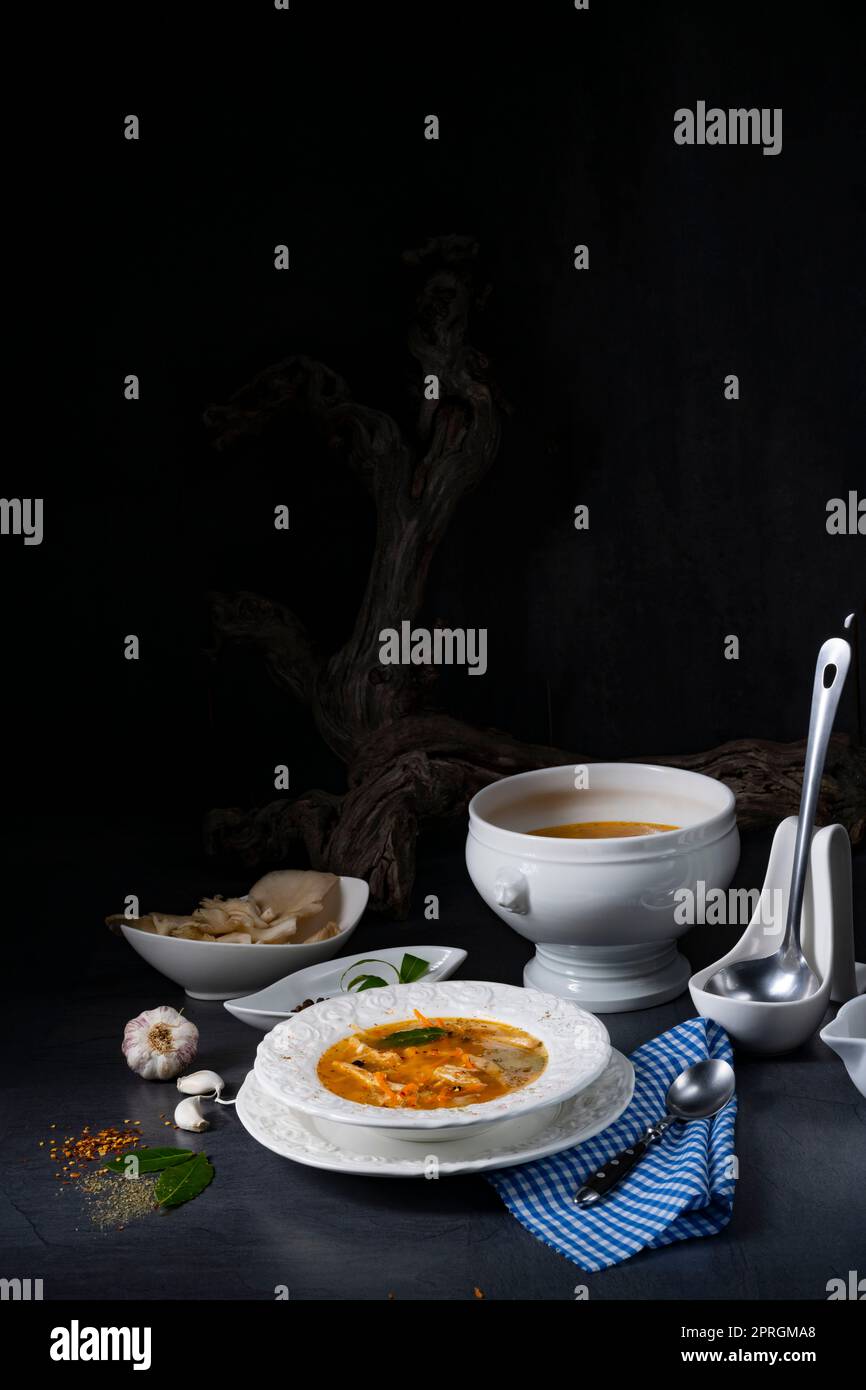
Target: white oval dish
column 270, row 1006
column 228, row 969
column 376, row 1154
column 577, row 1044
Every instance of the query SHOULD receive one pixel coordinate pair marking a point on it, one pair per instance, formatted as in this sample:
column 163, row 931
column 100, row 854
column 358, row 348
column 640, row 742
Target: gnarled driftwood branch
column 407, row 764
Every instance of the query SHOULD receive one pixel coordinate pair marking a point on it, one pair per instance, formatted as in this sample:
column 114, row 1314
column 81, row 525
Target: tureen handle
column 512, row 890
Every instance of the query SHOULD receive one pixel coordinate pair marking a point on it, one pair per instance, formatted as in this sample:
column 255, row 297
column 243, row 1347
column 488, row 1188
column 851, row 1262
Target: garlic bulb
column 188, row 1114
column 201, row 1083
column 159, row 1043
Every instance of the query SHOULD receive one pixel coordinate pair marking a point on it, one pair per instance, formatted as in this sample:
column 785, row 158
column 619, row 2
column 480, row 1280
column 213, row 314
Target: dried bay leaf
column 148, row 1160
column 183, row 1181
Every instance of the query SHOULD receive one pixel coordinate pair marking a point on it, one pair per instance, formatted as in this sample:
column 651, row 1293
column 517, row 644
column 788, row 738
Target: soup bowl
column 578, row 1050
column 604, row 913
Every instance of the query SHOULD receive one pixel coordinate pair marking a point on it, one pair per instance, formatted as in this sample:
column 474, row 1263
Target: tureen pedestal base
column 610, row 979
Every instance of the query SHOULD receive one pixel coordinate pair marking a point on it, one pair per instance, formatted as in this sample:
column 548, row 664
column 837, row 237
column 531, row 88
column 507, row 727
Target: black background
column 707, row 516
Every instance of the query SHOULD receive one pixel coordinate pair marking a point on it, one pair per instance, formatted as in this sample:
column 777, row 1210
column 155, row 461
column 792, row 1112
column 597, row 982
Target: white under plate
column 367, row 1152
column 270, row 1006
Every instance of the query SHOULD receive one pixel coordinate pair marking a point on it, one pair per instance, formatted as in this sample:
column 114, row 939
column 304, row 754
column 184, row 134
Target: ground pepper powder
column 113, row 1201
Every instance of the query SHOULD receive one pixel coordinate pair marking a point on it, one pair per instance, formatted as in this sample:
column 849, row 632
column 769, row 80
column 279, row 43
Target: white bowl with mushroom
column 222, row 950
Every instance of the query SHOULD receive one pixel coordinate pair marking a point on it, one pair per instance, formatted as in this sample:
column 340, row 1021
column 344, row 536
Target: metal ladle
column 698, row 1092
column 786, row 975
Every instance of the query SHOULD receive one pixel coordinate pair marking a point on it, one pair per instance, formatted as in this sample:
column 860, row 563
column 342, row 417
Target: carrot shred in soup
column 428, row 1064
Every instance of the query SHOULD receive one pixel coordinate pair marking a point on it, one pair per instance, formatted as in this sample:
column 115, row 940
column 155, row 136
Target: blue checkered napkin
column 680, row 1188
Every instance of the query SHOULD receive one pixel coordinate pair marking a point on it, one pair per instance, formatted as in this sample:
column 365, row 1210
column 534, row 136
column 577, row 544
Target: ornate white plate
column 371, row 1153
column 577, row 1044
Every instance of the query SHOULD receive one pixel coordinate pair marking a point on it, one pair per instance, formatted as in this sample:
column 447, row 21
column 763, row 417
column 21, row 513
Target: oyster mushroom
column 287, row 905
column 293, row 894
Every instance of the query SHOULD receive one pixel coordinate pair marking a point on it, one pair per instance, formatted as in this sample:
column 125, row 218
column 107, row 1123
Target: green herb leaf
column 183, row 1181
column 412, row 968
column 411, row 1037
column 148, row 1160
column 366, row 982
column 371, row 960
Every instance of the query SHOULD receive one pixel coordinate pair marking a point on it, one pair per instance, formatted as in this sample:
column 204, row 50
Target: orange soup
column 602, row 829
column 428, row 1064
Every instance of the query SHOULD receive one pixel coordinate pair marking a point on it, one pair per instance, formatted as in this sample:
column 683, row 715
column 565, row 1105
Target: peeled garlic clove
column 201, row 1083
column 188, row 1115
column 159, row 1043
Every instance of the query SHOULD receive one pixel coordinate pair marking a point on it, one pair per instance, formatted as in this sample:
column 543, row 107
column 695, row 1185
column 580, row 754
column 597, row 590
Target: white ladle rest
column 827, row 937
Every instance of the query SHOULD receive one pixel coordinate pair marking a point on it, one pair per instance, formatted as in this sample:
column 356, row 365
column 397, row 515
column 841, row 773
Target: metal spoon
column 786, row 975
column 698, row 1092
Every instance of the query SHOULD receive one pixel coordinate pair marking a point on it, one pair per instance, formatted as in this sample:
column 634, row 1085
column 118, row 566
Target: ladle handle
column 834, row 658
column 613, row 1170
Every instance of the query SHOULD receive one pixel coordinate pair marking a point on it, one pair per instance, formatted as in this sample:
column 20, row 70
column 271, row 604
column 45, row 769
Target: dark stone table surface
column 799, row 1217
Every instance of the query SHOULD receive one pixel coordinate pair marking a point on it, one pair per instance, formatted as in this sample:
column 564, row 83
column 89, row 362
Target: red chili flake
column 109, row 1141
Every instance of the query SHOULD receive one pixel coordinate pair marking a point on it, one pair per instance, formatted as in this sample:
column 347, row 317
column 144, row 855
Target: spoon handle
column 834, row 659
column 599, row 1184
